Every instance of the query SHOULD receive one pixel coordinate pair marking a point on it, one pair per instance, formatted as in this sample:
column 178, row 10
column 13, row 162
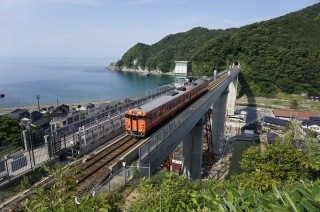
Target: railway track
column 88, row 174
column 95, row 170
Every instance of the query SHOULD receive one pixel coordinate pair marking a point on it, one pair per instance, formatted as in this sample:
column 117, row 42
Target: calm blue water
column 68, row 80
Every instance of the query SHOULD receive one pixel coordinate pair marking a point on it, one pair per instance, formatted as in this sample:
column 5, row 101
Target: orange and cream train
column 140, row 121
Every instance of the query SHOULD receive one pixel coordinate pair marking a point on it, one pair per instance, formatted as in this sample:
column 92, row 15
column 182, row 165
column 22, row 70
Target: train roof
column 167, row 97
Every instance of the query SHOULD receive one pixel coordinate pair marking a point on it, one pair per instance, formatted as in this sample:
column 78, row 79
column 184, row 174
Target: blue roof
column 315, row 118
column 312, row 122
column 275, row 121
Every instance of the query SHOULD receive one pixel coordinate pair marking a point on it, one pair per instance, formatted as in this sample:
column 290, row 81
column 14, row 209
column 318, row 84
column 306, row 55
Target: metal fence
column 37, row 148
column 121, row 178
column 109, row 109
column 14, row 164
column 83, row 130
column 9, row 149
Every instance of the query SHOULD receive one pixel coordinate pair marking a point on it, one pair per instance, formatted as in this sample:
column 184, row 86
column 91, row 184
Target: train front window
column 134, row 118
column 141, row 117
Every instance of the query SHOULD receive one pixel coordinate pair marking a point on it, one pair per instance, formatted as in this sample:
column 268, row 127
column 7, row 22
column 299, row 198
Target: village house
column 313, row 97
column 293, row 114
column 312, row 124
column 274, row 123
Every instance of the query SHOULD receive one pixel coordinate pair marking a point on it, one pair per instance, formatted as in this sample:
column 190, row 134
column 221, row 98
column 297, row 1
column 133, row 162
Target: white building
column 182, row 71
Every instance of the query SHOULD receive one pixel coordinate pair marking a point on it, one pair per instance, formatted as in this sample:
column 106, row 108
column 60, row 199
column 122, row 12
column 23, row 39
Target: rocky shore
column 141, row 71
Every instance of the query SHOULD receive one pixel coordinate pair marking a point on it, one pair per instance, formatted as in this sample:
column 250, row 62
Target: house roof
column 19, row 111
column 63, row 108
column 311, row 122
column 272, row 136
column 41, row 122
column 315, row 118
column 58, row 114
column 300, row 115
column 275, row 121
column 252, row 127
column 313, row 95
column 89, row 105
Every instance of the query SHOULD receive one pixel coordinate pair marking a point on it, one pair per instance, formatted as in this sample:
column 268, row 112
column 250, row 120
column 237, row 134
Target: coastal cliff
column 114, row 67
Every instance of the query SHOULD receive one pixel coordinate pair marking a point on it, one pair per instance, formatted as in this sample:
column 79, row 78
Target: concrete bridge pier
column 232, row 95
column 192, row 151
column 218, row 122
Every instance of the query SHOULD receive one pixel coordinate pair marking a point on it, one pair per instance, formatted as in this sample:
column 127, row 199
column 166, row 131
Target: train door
column 141, row 125
column 134, row 122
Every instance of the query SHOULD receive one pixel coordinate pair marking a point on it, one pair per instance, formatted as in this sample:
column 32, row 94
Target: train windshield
column 141, row 117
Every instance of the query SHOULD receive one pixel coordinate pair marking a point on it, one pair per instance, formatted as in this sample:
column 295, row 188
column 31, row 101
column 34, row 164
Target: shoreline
column 140, row 71
column 7, row 110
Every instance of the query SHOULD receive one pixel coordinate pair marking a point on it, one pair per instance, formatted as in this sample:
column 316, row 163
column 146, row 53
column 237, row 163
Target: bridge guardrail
column 156, row 140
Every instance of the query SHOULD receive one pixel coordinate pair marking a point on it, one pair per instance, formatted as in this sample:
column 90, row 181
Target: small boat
column 2, row 95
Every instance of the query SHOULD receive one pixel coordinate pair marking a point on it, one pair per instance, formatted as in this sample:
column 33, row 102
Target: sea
column 25, row 80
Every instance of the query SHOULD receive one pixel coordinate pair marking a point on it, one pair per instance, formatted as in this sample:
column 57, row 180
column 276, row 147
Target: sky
column 108, row 28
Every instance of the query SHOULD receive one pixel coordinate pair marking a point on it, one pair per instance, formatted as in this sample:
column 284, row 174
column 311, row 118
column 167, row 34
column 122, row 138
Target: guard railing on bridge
column 200, row 106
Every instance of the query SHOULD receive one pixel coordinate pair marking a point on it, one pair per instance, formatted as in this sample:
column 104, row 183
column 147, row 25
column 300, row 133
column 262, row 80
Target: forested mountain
column 278, row 55
column 162, row 54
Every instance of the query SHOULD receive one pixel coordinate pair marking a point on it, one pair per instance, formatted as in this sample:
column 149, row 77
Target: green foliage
column 294, row 104
column 161, row 55
column 25, row 183
column 10, row 130
column 277, row 163
column 279, row 55
column 292, row 131
column 168, row 192
column 61, row 196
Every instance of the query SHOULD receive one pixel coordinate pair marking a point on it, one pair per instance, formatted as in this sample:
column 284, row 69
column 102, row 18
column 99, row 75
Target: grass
column 281, row 101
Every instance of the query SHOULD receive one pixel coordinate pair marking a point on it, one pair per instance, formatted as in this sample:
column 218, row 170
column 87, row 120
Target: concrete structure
column 188, row 127
column 192, row 148
column 218, row 122
column 182, row 71
column 232, row 97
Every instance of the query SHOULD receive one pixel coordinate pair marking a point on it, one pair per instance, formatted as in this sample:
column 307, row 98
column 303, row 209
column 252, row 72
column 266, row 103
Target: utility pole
column 38, row 97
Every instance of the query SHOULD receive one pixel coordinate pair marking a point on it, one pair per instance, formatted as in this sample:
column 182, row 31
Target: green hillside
column 278, row 55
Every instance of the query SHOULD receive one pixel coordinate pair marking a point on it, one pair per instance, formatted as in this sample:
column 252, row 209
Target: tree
column 10, row 130
column 278, row 55
column 294, row 104
column 280, row 161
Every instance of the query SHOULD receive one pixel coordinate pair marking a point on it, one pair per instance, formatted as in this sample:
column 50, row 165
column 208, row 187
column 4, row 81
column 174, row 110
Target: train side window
column 127, row 116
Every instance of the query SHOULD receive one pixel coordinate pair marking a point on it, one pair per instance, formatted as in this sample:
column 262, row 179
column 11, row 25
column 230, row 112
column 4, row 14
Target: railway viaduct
column 188, row 127
column 84, row 134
